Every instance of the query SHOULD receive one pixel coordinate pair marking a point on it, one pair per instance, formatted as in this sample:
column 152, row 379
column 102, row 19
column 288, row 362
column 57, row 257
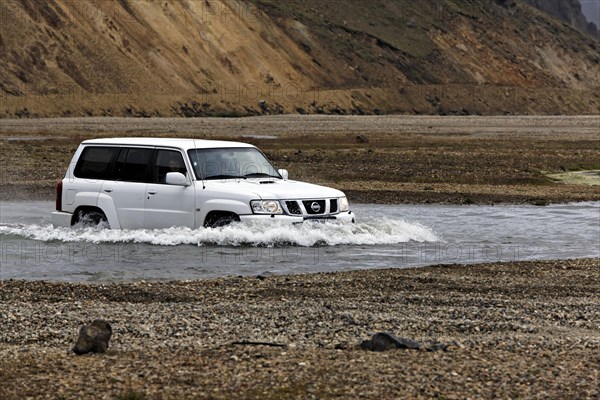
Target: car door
column 169, row 205
column 128, row 188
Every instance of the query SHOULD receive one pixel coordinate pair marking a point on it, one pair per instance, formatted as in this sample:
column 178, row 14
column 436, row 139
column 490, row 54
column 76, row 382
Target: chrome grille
column 293, row 207
column 333, row 206
column 314, row 207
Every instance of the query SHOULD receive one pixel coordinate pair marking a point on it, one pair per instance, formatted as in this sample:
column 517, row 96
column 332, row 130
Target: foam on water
column 258, row 233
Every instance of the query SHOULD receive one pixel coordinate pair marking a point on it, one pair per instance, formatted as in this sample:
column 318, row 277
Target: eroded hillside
column 228, row 57
column 568, row 11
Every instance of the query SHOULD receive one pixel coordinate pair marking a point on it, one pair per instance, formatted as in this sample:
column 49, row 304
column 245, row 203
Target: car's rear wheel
column 91, row 219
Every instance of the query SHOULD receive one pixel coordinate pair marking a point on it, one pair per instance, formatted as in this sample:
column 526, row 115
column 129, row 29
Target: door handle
column 108, row 190
column 152, row 192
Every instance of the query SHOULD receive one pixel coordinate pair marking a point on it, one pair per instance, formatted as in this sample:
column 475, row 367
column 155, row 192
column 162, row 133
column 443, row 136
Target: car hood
column 278, row 189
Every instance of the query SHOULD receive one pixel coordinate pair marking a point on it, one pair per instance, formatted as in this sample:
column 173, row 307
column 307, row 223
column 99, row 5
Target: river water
column 385, row 236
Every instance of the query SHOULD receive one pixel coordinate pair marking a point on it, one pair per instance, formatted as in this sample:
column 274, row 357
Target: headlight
column 344, row 204
column 266, row 207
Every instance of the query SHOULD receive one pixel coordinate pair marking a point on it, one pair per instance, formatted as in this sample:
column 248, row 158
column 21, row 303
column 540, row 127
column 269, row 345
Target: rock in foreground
column 383, row 341
column 93, row 338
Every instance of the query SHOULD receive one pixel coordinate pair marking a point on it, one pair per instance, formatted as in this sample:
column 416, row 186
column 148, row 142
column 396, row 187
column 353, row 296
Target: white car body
column 94, row 186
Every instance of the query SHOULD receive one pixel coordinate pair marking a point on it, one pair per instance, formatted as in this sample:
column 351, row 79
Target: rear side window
column 133, row 165
column 94, row 162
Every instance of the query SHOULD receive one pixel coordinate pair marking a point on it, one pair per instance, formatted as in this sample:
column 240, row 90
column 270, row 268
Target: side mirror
column 176, row 178
column 283, row 173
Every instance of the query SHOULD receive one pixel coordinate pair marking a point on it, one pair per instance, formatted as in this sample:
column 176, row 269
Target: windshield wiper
column 224, row 177
column 260, row 175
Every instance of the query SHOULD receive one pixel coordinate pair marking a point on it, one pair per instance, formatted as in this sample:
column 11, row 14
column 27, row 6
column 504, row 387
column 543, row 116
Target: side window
column 132, row 165
column 94, row 162
column 168, row 161
column 117, row 173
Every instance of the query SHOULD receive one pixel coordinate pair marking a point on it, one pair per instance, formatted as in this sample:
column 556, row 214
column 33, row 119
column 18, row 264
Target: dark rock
column 93, row 338
column 263, row 105
column 362, row 139
column 383, row 341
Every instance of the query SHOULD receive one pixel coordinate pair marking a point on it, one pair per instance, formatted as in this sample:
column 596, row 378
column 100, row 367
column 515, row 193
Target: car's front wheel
column 219, row 220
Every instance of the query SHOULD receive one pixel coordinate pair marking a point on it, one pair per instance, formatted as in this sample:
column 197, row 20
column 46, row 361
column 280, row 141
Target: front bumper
column 345, row 217
column 61, row 219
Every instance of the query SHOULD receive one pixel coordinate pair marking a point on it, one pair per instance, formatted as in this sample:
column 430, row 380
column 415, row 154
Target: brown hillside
column 227, row 57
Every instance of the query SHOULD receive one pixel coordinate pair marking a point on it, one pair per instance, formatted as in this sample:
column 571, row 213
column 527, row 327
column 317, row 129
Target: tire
column 91, row 219
column 218, row 221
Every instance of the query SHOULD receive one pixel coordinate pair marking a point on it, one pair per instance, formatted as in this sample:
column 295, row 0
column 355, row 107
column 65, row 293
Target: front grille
column 333, row 206
column 293, row 207
column 314, row 207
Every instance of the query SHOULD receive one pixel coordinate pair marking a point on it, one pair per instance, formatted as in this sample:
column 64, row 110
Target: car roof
column 184, row 144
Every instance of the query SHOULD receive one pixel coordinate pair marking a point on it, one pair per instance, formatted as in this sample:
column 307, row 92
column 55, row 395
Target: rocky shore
column 391, row 159
column 510, row 330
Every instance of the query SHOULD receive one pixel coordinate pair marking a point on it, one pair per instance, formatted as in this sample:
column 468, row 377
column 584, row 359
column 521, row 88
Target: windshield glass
column 232, row 162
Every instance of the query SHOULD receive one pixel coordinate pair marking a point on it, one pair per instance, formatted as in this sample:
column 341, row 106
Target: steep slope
column 568, row 11
column 113, row 51
column 228, row 57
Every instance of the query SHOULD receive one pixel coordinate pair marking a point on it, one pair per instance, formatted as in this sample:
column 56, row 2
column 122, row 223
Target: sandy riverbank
column 519, row 330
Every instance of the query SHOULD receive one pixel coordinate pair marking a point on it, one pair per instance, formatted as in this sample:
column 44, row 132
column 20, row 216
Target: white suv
column 132, row 183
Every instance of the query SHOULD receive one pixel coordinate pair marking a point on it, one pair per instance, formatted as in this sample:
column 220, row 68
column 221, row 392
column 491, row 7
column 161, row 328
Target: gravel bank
column 525, row 329
column 408, row 159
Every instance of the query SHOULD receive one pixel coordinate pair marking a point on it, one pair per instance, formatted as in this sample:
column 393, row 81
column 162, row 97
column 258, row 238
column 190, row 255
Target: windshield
column 232, row 162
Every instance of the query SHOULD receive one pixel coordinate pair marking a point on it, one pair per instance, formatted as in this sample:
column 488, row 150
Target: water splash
column 257, row 233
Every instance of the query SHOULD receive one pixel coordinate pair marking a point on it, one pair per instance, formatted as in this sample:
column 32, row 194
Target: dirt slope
column 568, row 11
column 228, row 57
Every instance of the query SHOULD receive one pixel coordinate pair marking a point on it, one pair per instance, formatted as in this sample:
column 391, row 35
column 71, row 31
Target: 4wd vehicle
column 131, row 183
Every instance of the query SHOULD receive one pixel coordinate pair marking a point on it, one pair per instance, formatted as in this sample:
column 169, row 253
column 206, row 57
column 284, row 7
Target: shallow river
column 385, row 236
